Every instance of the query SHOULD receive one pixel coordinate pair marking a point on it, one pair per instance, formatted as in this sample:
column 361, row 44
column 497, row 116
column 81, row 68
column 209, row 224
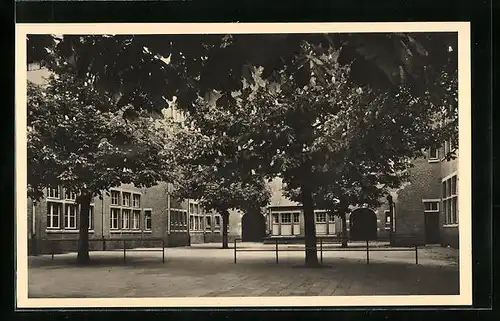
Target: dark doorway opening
column 432, row 228
column 363, row 225
column 253, row 227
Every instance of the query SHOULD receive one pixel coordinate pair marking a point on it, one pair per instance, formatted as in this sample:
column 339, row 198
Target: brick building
column 126, row 212
column 424, row 209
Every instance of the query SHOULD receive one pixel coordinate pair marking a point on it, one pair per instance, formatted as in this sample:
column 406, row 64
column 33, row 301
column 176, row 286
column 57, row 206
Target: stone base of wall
column 408, row 240
column 178, row 239
column 449, row 237
column 66, row 246
column 213, row 238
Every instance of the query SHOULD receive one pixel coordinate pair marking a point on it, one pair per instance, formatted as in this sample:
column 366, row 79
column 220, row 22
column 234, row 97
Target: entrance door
column 432, row 228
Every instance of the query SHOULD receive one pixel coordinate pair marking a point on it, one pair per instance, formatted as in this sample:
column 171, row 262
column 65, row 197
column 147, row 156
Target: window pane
column 296, row 217
column 454, row 185
column 276, row 218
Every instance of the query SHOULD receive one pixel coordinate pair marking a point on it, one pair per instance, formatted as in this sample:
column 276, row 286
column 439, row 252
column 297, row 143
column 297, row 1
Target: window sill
column 129, row 231
column 58, row 231
column 434, row 160
column 450, row 225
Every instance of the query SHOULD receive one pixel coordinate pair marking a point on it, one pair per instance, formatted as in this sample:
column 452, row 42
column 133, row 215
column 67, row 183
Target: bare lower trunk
column 83, row 239
column 309, row 227
column 225, row 224
column 344, row 230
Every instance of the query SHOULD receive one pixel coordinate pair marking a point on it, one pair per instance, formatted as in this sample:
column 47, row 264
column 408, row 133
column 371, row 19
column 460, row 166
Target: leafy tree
column 327, row 139
column 80, row 140
column 216, row 182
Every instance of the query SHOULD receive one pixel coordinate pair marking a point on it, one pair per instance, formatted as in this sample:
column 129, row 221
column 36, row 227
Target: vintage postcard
column 243, row 165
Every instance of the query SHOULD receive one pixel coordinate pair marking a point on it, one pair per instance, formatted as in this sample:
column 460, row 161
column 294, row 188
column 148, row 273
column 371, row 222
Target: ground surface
column 205, row 270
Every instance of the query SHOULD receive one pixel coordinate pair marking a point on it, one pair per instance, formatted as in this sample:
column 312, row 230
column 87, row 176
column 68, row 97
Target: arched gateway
column 363, row 225
column 253, row 227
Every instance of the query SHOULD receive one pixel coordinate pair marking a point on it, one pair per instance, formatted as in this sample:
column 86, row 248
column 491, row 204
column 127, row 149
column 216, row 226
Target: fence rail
column 121, row 241
column 413, row 246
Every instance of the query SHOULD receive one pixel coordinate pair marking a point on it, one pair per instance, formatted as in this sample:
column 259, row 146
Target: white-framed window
column 433, row 154
column 148, row 220
column 54, row 215
column 296, row 217
column 70, row 216
column 208, row 222
column 53, row 192
column 331, row 218
column 387, row 214
column 126, row 199
column 217, row 220
column 431, row 206
column 69, row 195
column 113, row 218
column 191, row 222
column 136, row 200
column 450, row 200
column 191, row 208
column 276, row 218
column 286, row 218
column 136, row 219
column 115, row 198
column 321, row 217
column 91, row 217
column 125, row 219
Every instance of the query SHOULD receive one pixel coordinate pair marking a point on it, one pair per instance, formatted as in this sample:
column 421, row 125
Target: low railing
column 321, row 240
column 121, row 241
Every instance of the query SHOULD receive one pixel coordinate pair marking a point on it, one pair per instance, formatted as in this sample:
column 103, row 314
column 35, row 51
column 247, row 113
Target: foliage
column 79, row 139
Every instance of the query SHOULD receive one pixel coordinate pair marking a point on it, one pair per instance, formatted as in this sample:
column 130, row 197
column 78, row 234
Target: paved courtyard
column 205, row 270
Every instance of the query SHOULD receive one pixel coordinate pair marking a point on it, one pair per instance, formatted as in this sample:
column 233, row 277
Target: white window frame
column 126, row 199
column 432, row 201
column 288, row 215
column 54, row 193
column 296, row 215
column 126, row 219
column 68, row 214
column 91, row 218
column 136, row 220
column 112, row 218
column 433, row 158
column 316, row 216
column 51, row 215
column 136, row 200
column 208, row 222
column 117, row 194
column 148, row 216
column 450, row 201
column 217, row 221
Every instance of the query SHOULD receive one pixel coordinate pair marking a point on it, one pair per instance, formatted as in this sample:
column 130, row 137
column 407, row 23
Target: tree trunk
column 344, row 230
column 83, row 239
column 309, row 226
column 225, row 224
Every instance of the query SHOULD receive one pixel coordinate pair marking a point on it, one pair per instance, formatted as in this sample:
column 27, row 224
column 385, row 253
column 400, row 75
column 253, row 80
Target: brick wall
column 449, row 234
column 409, row 208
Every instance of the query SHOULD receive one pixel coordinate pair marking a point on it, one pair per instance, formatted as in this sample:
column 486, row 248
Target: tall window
column 217, row 220
column 296, row 217
column 191, row 222
column 387, row 218
column 70, row 216
column 433, row 154
column 450, row 199
column 126, row 199
column 53, row 214
column 114, row 214
column 69, row 195
column 331, row 218
column 208, row 222
column 147, row 220
column 91, row 217
column 53, row 192
column 115, row 196
column 276, row 218
column 136, row 217
column 125, row 219
column 136, row 200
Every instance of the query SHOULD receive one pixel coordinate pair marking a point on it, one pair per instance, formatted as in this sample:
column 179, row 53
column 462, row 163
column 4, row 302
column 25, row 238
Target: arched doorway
column 363, row 225
column 253, row 227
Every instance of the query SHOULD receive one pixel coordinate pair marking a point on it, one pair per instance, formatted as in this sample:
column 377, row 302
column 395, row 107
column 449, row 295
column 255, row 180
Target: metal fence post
column 276, row 251
column 416, row 254
column 124, row 252
column 163, row 251
column 367, row 253
column 321, row 248
column 234, row 250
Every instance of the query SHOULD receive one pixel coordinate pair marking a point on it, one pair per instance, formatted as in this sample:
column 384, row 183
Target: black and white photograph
column 249, row 164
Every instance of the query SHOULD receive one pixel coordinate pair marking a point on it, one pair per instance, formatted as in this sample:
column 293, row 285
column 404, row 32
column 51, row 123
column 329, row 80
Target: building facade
column 138, row 215
column 424, row 210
